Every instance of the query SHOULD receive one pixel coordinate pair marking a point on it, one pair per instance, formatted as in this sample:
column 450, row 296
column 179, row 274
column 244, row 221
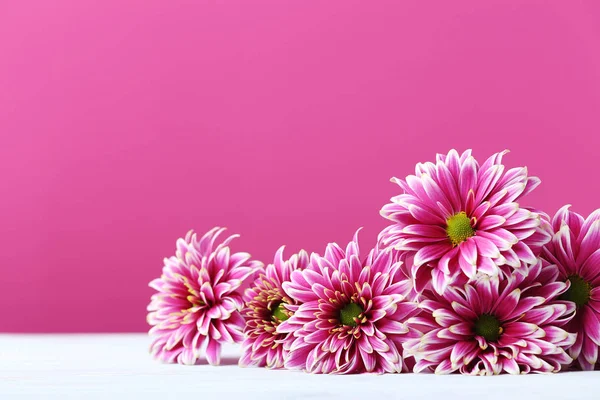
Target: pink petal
column 520, row 329
column 421, row 276
column 445, row 317
column 369, row 360
column 434, row 231
column 435, row 193
column 506, row 307
column 431, row 252
column 554, row 334
column 439, row 281
column 463, row 311
column 426, row 216
column 490, row 222
column 524, row 253
column 467, row 267
column 445, row 367
column 487, row 266
column 502, row 238
column 589, row 351
column 463, row 350
column 486, row 247
column 531, row 184
column 213, row 352
column 481, row 209
column 526, row 304
column 591, row 324
column 511, row 366
column 468, row 177
column 448, row 185
column 589, row 269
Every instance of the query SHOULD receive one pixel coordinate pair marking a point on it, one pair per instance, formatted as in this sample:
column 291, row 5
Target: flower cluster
column 463, row 280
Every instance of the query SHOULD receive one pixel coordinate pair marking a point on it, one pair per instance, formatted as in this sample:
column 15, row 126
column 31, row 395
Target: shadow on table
column 224, row 361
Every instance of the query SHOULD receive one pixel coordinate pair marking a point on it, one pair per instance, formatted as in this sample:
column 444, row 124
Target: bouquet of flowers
column 463, row 280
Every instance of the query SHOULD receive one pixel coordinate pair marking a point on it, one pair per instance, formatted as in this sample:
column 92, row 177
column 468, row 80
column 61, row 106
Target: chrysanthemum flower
column 352, row 313
column 494, row 325
column 198, row 304
column 457, row 218
column 575, row 249
column 266, row 308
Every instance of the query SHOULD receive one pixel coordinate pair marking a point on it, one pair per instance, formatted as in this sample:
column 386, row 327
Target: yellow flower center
column 489, row 327
column 459, row 228
column 579, row 292
column 350, row 313
column 280, row 313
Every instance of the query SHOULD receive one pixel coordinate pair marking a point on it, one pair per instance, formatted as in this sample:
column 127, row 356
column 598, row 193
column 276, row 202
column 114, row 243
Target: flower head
column 352, row 313
column 575, row 249
column 494, row 325
column 267, row 306
column 457, row 218
column 197, row 305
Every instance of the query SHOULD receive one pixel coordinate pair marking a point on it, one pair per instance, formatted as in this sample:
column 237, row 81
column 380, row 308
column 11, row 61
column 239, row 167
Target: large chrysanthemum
column 266, row 308
column 575, row 249
column 352, row 313
column 493, row 325
column 198, row 305
column 457, row 216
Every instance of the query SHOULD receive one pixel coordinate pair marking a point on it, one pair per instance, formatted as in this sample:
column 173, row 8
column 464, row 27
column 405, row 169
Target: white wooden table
column 118, row 367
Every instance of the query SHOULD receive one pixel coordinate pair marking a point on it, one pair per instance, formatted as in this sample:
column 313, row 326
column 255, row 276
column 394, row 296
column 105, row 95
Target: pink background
column 125, row 123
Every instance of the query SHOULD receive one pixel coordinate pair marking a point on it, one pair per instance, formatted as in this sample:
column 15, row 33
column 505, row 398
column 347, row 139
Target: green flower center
column 459, row 228
column 350, row 313
column 578, row 292
column 489, row 327
column 279, row 312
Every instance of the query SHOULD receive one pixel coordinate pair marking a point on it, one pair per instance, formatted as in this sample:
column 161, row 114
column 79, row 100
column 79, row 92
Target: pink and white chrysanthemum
column 197, row 305
column 457, row 218
column 267, row 306
column 495, row 325
column 575, row 249
column 352, row 313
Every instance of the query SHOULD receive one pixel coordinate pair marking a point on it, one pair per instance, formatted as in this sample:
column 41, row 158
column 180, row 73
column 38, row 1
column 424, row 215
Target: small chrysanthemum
column 457, row 218
column 352, row 313
column 495, row 325
column 575, row 249
column 197, row 305
column 267, row 306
